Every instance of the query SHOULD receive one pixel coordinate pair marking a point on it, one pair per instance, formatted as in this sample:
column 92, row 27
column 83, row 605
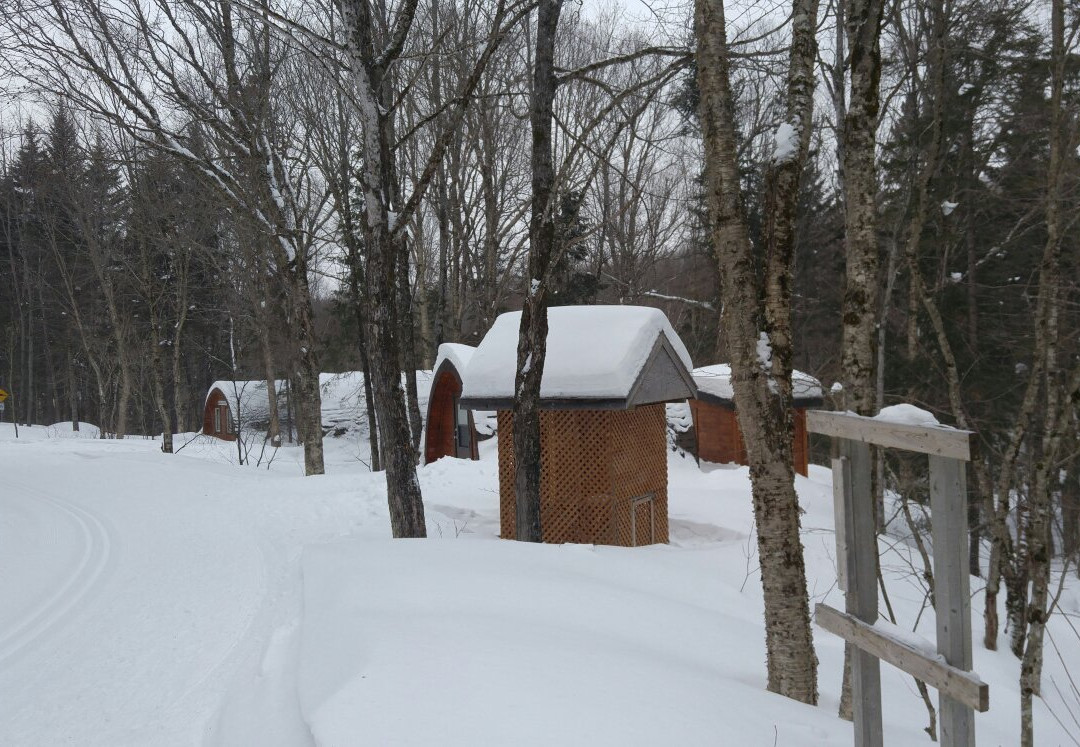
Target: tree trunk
column 381, row 273
column 1070, row 510
column 157, row 382
column 756, row 323
column 180, row 399
column 362, row 347
column 1057, row 412
column 28, row 378
column 369, row 405
column 860, row 311
column 307, row 374
column 72, row 386
column 532, row 335
column 273, row 431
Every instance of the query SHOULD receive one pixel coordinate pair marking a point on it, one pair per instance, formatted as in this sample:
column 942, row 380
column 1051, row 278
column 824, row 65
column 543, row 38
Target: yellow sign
column 3, row 395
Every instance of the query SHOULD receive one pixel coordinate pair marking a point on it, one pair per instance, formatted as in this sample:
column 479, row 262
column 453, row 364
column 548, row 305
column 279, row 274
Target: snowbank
column 157, row 599
column 510, row 643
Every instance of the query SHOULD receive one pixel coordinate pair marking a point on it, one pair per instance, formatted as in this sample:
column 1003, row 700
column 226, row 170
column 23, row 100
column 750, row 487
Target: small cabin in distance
column 449, row 426
column 607, row 374
column 242, row 406
column 232, row 406
column 717, row 436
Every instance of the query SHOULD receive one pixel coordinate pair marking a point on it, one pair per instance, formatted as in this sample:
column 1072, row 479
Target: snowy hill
column 172, row 600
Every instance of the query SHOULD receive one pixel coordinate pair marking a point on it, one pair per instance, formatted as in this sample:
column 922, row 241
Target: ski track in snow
column 114, row 581
column 41, row 618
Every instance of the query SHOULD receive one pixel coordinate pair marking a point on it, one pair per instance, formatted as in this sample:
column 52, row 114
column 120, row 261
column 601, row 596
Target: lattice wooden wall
column 593, row 464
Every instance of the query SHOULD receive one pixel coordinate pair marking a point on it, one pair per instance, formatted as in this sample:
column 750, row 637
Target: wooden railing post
column 861, row 596
column 952, row 589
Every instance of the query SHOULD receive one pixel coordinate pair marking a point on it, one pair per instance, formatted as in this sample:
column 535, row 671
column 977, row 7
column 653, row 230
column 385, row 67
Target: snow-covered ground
column 148, row 599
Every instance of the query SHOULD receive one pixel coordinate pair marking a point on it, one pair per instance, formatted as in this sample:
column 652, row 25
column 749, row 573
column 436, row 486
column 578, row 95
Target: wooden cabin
column 218, row 419
column 717, row 437
column 233, row 406
column 242, row 406
column 449, row 427
column 608, row 372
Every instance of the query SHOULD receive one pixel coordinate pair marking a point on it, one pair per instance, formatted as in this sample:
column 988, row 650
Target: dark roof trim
column 507, row 403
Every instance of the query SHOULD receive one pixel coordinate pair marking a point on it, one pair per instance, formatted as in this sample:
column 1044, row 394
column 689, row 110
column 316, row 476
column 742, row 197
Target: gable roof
column 598, row 357
column 714, row 386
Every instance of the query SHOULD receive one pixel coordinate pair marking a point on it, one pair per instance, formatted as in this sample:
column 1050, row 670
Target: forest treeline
column 248, row 189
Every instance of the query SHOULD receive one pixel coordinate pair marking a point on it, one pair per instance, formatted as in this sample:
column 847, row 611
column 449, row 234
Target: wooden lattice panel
column 639, row 448
column 507, row 513
column 593, row 464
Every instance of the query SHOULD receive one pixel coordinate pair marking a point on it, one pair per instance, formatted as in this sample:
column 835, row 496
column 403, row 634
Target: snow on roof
column 593, row 352
column 716, row 381
column 459, row 355
column 343, row 405
column 342, row 399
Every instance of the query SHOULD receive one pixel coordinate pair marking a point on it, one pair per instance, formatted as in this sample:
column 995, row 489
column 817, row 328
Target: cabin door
column 642, row 520
column 462, row 432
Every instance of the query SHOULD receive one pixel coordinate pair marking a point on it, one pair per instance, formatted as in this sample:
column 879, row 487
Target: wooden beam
column 861, row 593
column 962, row 686
column 934, row 440
column 841, row 479
column 952, row 589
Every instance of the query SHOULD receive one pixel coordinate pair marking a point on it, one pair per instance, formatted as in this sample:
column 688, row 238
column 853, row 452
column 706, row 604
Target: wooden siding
column 216, row 401
column 439, row 441
column 720, row 440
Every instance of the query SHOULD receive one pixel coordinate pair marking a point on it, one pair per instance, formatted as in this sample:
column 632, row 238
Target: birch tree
column 386, row 213
column 757, row 325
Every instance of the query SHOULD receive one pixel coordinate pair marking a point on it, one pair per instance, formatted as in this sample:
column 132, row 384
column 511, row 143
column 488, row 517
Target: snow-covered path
column 63, row 551
column 132, row 596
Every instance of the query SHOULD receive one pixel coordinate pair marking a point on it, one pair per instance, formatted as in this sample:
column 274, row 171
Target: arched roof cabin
column 450, row 429
column 233, row 406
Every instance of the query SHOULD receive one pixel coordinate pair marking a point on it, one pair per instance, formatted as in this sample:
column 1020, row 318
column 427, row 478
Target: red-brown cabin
column 450, row 430
column 716, row 427
column 603, row 441
column 233, row 406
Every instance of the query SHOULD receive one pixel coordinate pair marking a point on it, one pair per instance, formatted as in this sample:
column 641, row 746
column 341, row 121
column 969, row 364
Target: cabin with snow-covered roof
column 716, row 433
column 607, row 374
column 233, row 406
column 449, row 426
column 239, row 406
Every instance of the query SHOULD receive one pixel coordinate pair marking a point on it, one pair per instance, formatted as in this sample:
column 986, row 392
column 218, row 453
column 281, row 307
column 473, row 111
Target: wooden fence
column 960, row 691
